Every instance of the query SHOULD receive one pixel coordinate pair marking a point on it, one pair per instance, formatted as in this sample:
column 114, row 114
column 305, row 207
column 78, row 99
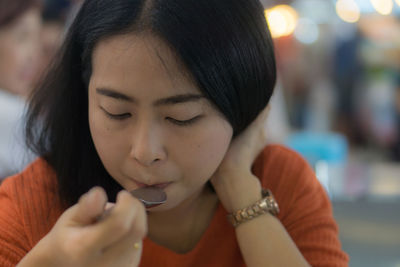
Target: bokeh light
column 282, row 20
column 307, row 31
column 348, row 10
column 383, row 7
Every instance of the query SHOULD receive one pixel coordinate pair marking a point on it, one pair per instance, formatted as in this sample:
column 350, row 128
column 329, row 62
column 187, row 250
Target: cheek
column 206, row 152
column 9, row 61
column 16, row 54
column 99, row 135
column 108, row 146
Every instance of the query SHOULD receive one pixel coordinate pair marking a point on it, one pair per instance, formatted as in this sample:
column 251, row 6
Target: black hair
column 224, row 44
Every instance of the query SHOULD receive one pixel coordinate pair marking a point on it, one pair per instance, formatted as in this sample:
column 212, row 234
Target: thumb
column 90, row 206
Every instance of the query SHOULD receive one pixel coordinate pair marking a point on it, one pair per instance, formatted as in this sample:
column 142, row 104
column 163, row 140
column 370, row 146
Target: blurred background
column 337, row 102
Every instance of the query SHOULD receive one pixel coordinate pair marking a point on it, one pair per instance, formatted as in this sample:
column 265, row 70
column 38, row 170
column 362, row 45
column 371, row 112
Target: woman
column 171, row 95
column 20, row 26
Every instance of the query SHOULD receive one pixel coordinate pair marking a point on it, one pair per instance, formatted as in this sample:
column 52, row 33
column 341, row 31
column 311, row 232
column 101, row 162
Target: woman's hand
column 79, row 239
column 233, row 181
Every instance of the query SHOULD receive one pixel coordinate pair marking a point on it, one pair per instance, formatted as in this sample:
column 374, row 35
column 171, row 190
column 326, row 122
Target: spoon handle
column 150, row 197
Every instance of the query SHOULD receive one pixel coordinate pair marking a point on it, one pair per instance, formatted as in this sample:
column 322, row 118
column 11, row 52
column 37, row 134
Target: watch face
column 275, row 208
column 266, row 193
column 272, row 204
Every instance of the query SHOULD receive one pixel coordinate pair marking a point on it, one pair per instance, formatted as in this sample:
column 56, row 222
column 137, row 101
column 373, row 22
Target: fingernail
column 92, row 194
column 109, row 205
column 120, row 193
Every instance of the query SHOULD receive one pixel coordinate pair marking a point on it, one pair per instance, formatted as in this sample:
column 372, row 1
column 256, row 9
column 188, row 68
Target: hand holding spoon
column 150, row 197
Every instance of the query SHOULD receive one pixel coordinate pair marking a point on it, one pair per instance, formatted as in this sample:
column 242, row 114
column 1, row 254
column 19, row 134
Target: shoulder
column 305, row 209
column 29, row 201
column 277, row 165
column 290, row 178
column 278, row 152
column 36, row 179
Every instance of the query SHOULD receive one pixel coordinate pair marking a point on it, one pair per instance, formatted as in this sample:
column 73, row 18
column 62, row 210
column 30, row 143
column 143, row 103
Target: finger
column 109, row 205
column 257, row 133
column 124, row 254
column 117, row 224
column 262, row 116
column 257, row 123
column 89, row 207
column 128, row 250
column 107, row 210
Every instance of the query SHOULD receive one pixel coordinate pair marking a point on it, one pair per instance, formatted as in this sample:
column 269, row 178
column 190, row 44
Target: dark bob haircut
column 224, row 44
column 11, row 10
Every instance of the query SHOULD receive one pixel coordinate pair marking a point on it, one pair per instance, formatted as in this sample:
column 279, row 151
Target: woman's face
column 149, row 122
column 19, row 51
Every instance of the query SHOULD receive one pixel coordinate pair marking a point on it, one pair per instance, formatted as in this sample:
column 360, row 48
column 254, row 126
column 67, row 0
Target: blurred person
column 20, row 25
column 376, row 95
column 55, row 14
column 52, row 35
column 347, row 69
column 395, row 151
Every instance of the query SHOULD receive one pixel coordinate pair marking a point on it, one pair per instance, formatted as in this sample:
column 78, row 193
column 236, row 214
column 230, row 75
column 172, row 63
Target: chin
column 160, row 208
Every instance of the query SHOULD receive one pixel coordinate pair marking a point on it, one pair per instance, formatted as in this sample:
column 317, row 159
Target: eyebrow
column 172, row 100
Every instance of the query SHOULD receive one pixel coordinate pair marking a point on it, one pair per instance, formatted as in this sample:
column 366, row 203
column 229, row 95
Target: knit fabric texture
column 30, row 206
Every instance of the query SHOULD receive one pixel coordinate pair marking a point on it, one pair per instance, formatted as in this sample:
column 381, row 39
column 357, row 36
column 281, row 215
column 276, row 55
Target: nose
column 147, row 145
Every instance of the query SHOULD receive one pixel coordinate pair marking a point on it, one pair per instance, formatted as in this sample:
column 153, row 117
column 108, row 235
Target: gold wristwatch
column 265, row 205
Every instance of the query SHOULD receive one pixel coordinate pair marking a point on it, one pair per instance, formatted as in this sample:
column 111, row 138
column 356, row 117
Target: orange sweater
column 30, row 206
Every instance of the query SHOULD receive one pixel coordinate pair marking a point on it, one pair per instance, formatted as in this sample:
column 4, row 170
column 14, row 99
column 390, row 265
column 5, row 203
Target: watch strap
column 265, row 205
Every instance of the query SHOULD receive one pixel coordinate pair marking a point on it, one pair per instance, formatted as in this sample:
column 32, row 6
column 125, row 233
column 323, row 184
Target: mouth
column 150, row 196
column 159, row 185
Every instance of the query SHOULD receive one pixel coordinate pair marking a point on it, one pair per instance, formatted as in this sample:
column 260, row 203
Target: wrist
column 41, row 255
column 35, row 258
column 266, row 205
column 237, row 190
column 244, row 199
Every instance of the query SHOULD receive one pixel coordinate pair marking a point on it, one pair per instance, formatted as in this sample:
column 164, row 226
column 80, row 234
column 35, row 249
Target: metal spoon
column 150, row 197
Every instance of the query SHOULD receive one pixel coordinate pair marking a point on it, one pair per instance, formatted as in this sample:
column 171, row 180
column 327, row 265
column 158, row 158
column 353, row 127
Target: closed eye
column 184, row 122
column 121, row 116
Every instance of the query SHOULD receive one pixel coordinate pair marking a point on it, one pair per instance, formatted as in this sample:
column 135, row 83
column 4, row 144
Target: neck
column 181, row 228
column 180, row 212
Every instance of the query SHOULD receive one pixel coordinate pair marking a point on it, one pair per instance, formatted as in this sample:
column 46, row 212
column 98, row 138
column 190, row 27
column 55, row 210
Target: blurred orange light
column 282, row 20
column 383, row 7
column 348, row 10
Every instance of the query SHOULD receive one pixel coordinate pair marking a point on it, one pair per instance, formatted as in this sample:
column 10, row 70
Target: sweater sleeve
column 306, row 211
column 13, row 240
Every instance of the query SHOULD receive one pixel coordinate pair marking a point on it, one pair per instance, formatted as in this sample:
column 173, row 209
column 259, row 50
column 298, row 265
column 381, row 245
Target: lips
column 160, row 185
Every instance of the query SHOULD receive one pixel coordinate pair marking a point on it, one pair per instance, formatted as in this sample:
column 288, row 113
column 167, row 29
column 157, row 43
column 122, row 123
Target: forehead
column 147, row 62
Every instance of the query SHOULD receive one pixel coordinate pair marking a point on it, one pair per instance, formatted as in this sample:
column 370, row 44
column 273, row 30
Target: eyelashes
column 118, row 117
column 123, row 116
column 185, row 122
